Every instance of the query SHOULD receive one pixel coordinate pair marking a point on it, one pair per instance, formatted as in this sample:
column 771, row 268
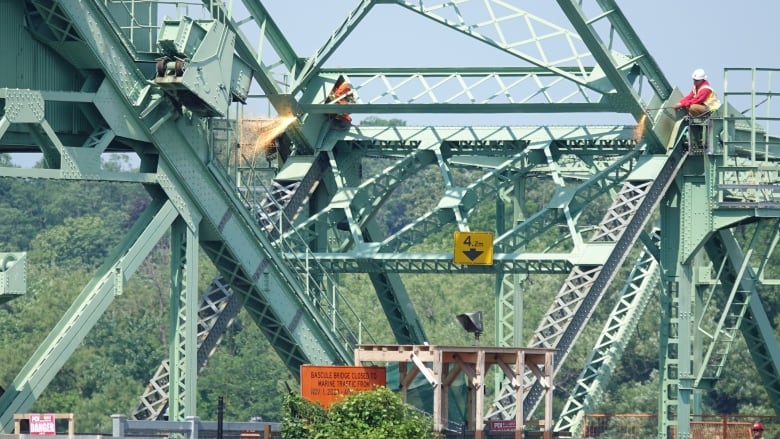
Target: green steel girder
column 458, row 17
column 636, row 50
column 270, row 32
column 546, row 73
column 368, row 256
column 183, row 348
column 217, row 311
column 586, row 192
column 375, row 191
column 391, row 293
column 227, row 226
column 593, row 77
column 85, row 311
column 50, row 25
column 684, row 379
column 629, row 99
column 442, row 263
column 63, row 161
column 482, row 189
column 509, row 287
column 618, row 330
column 729, row 319
column 756, row 326
column 509, row 308
column 247, row 51
column 13, row 275
column 613, row 66
column 573, row 306
column 496, row 140
column 668, row 335
column 461, row 201
column 395, row 301
column 442, row 90
column 350, row 204
column 601, row 53
column 685, row 366
column 84, row 163
column 314, row 63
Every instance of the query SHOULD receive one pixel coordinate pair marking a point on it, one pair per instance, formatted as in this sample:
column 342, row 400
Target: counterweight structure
column 121, row 78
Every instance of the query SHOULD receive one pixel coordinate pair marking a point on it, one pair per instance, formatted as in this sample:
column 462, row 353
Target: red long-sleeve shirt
column 698, row 95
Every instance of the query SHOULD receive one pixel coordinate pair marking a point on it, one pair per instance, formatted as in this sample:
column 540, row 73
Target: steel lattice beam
column 324, row 223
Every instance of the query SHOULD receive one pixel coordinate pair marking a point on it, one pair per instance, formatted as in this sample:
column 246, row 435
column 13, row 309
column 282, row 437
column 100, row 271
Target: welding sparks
column 268, row 132
column 259, row 135
column 639, row 130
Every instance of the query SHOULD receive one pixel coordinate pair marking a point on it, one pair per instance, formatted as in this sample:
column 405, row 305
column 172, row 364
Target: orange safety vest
column 342, row 92
column 712, row 101
column 344, row 96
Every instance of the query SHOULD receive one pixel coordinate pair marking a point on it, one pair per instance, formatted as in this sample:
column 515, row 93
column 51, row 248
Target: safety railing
column 747, row 145
column 193, row 428
column 751, row 121
column 642, row 426
column 251, row 176
column 139, row 20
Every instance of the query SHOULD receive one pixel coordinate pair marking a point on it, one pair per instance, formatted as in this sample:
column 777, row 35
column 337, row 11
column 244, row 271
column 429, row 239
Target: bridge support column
column 184, row 321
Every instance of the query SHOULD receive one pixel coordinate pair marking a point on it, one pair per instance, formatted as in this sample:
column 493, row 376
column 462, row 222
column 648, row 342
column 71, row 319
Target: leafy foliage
column 68, row 228
column 302, row 418
column 375, row 121
column 247, row 372
column 379, row 414
column 78, row 241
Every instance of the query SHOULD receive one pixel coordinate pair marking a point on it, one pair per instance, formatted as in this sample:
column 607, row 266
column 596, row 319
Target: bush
column 377, row 414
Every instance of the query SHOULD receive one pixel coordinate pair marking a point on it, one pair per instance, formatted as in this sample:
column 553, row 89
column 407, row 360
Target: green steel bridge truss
column 119, row 78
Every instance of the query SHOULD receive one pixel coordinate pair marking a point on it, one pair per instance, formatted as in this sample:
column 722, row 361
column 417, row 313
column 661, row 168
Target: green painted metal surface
column 280, row 240
column 13, row 275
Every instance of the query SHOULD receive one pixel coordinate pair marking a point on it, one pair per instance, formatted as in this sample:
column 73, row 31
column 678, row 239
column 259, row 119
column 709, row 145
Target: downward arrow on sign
column 472, row 253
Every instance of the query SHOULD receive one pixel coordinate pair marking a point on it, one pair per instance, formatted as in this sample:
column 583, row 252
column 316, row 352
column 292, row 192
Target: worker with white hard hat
column 702, row 98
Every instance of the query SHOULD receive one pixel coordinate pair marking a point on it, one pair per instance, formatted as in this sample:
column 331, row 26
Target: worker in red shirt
column 702, row 99
column 341, row 94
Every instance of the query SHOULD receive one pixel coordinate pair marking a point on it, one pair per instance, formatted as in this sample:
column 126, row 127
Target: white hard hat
column 699, row 74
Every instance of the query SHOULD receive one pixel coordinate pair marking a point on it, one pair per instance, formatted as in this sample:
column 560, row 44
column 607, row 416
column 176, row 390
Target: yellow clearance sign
column 473, row 248
column 326, row 384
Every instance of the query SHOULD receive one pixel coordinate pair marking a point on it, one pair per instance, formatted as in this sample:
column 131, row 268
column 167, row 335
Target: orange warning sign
column 326, row 384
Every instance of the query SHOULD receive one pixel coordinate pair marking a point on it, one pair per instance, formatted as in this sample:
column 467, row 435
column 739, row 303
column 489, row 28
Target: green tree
column 247, row 372
column 302, row 419
column 78, row 241
column 377, row 414
column 373, row 121
column 5, row 161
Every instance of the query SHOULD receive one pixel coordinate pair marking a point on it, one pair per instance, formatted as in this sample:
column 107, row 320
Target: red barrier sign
column 326, row 384
column 502, row 425
column 42, row 424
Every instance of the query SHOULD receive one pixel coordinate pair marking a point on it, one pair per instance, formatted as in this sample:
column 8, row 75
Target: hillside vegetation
column 68, row 228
